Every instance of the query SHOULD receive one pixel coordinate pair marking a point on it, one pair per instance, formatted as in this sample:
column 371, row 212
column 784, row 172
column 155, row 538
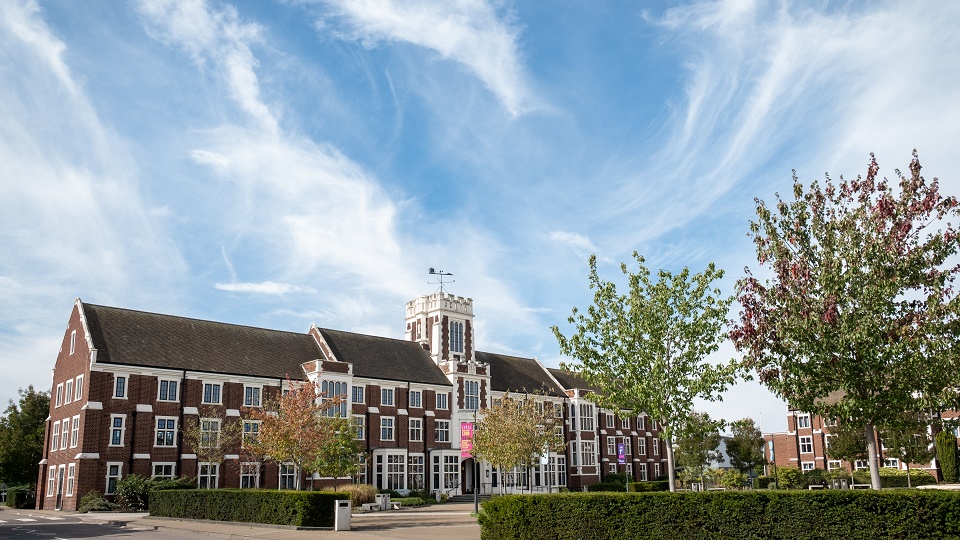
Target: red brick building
column 127, row 383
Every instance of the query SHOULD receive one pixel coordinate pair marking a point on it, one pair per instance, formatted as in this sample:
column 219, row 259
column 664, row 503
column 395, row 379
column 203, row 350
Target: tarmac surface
column 437, row 522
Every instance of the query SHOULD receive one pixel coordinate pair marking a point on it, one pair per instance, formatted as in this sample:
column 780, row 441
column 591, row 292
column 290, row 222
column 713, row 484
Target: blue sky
column 279, row 164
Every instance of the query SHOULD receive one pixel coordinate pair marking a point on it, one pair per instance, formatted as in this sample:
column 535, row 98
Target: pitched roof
column 384, row 358
column 514, row 374
column 125, row 336
column 571, row 381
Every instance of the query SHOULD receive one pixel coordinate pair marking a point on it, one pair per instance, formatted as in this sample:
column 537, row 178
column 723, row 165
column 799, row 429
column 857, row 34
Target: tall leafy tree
column 745, row 446
column 946, row 447
column 646, row 350
column 909, row 441
column 847, row 442
column 292, row 430
column 21, row 436
column 339, row 455
column 211, row 437
column 515, row 433
column 698, row 446
column 860, row 300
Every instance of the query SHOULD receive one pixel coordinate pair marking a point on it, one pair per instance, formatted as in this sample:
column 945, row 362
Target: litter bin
column 383, row 499
column 341, row 515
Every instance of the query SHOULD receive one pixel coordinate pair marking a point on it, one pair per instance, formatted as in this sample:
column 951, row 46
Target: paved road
column 441, row 522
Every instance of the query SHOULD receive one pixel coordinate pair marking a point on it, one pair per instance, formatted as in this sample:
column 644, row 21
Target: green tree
column 909, row 441
column 21, row 436
column 698, row 446
column 338, row 456
column 646, row 351
column 860, row 302
column 847, row 442
column 745, row 446
column 515, row 433
column 946, row 444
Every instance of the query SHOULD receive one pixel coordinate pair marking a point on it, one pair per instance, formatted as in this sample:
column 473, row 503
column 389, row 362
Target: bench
column 816, row 486
column 860, row 486
column 371, row 507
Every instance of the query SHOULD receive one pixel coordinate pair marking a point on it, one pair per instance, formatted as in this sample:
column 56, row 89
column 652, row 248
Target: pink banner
column 466, row 439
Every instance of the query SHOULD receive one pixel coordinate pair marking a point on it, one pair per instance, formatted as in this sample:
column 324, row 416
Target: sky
column 288, row 163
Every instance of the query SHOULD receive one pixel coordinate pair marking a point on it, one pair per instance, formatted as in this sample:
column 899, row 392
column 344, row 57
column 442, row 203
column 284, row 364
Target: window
column 71, row 475
column 164, row 470
column 211, row 392
column 589, row 453
column 456, row 337
column 442, row 432
column 891, row 463
column 806, row 445
column 624, row 423
column 166, row 432
column 803, row 421
column 641, row 423
column 655, row 444
column 51, row 481
column 833, row 464
column 119, row 386
column 357, row 394
column 807, row 466
column 415, row 399
column 416, row 429
column 361, row 476
column 386, row 396
column 386, row 429
column 288, row 476
column 68, row 392
column 113, row 474
column 415, row 471
column 359, row 425
column 78, row 390
column 59, row 401
column 573, row 417
column 117, row 426
column 450, row 471
column 335, row 395
column 55, row 438
column 73, row 341
column 209, row 433
column 612, row 468
column 167, row 391
column 251, row 432
column 860, row 464
column 471, row 395
column 64, row 433
column 586, row 417
column 396, row 471
column 642, row 470
column 442, row 401
column 611, row 447
column 249, row 475
column 656, row 471
column 830, row 422
column 642, row 446
column 251, row 396
column 74, row 431
column 627, row 446
column 209, row 476
column 628, row 468
column 609, row 419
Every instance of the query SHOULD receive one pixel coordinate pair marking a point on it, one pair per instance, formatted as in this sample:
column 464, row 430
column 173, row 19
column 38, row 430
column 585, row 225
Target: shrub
column 299, row 508
column 653, row 485
column 851, row 514
column 393, row 494
column 21, row 497
column 946, row 445
column 409, row 501
column 133, row 493
column 605, row 486
column 360, row 494
column 790, row 478
column 94, row 502
column 895, row 478
column 763, row 482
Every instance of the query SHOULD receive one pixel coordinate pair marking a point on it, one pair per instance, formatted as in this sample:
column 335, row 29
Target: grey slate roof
column 513, row 374
column 384, row 358
column 124, row 336
column 571, row 381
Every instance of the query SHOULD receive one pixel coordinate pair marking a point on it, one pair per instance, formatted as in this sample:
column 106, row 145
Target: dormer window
column 456, row 337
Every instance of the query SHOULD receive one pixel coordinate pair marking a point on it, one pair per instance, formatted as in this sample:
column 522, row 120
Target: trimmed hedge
column 20, row 499
column 299, row 508
column 652, row 485
column 763, row 514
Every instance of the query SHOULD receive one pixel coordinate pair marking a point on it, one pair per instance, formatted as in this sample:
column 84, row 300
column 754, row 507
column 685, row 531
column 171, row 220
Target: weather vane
column 440, row 274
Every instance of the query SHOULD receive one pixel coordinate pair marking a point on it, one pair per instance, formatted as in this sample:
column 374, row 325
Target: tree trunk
column 872, row 455
column 671, row 473
column 909, row 483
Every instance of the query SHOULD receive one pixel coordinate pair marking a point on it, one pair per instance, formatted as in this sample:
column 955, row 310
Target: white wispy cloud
column 580, row 244
column 470, row 32
column 265, row 287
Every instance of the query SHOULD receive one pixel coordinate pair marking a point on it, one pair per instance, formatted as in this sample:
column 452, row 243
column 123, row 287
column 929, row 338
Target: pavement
column 437, row 522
